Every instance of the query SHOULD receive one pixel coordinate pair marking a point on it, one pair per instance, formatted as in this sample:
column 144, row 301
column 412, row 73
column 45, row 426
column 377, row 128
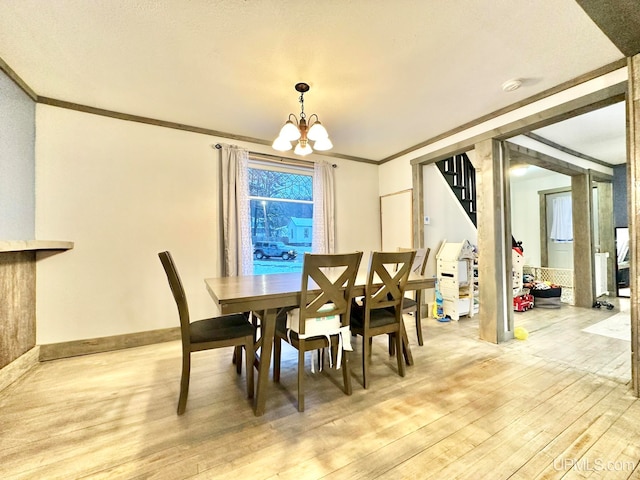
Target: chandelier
column 300, row 131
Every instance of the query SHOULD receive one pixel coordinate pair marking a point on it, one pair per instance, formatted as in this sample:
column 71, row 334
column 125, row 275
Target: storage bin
column 546, row 293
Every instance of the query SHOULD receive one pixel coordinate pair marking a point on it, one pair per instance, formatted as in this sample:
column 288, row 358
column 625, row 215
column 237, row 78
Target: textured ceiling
column 384, row 75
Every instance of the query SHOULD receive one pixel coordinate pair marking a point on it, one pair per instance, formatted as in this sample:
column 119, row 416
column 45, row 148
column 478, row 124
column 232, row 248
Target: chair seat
column 408, row 303
column 220, row 328
column 378, row 317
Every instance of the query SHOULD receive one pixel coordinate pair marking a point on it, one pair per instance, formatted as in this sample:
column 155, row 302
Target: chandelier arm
column 295, row 119
column 314, row 121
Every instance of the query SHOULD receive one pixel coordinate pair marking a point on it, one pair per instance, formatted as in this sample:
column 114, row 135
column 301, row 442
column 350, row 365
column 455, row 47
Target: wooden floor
column 557, row 405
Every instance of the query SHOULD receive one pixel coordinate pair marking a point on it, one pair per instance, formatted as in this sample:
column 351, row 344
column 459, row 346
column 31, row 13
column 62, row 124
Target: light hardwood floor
column 466, row 409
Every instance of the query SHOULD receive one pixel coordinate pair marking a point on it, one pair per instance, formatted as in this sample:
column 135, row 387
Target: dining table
column 268, row 294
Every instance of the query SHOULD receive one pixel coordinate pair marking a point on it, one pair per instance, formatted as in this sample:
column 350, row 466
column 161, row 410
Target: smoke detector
column 511, row 85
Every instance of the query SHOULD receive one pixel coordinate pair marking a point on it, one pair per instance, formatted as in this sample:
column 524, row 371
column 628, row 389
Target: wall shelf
column 27, row 245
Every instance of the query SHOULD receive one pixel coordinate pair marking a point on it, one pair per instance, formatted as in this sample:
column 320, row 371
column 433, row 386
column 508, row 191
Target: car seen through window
column 273, row 249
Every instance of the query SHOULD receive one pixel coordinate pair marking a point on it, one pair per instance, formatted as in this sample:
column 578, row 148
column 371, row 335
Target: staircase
column 461, row 177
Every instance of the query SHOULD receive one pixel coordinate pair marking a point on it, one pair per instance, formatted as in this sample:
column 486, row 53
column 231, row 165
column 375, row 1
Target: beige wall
column 124, row 191
column 395, row 176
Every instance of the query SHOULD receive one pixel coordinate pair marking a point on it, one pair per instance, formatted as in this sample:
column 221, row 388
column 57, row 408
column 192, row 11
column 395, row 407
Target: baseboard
column 54, row 351
column 21, row 365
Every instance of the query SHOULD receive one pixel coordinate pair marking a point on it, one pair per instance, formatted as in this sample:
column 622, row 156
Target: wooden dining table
column 268, row 294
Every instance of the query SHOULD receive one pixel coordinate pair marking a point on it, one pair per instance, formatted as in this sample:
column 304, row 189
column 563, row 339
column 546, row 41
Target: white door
column 559, row 230
column 396, row 213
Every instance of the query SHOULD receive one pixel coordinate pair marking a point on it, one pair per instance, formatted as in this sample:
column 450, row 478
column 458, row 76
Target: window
column 281, row 213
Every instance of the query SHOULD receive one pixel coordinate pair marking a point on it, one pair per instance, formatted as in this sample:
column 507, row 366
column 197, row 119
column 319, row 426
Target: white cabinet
column 454, row 271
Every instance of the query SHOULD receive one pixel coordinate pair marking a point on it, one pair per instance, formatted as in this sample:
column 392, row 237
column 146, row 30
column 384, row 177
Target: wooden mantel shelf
column 25, row 245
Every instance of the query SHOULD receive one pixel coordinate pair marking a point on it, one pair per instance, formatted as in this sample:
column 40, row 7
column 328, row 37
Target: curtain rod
column 266, row 156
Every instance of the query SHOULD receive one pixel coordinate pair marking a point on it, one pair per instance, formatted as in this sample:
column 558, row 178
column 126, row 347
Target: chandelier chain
column 302, row 114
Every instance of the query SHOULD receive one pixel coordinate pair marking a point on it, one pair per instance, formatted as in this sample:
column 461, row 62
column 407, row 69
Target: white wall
column 447, row 219
column 124, row 191
column 525, row 210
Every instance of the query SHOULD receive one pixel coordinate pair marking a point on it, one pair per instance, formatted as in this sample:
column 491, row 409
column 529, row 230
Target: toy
column 602, row 303
column 438, row 306
column 522, row 303
column 521, row 333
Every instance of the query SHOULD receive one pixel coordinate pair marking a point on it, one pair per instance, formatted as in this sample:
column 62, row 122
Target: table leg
column 268, row 329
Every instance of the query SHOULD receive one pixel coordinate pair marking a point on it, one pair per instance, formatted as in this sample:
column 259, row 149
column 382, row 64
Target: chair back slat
column 328, row 279
column 419, row 264
column 178, row 294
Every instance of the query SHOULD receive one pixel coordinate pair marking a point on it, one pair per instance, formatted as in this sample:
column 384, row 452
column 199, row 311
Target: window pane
column 272, row 184
column 281, row 219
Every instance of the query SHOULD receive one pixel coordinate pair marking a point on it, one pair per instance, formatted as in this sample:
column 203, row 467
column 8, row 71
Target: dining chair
column 381, row 309
column 322, row 319
column 217, row 332
column 410, row 305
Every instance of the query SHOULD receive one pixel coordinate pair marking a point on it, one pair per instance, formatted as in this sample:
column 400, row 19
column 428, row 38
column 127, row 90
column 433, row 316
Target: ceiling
column 385, row 76
column 599, row 134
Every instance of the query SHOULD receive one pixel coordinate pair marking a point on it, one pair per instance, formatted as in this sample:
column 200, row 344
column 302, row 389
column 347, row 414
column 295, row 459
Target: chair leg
column 392, row 346
column 419, row 317
column 184, row 382
column 346, row 373
column 419, row 328
column 250, row 357
column 301, row 377
column 366, row 352
column 399, row 357
column 406, row 349
column 237, row 359
column 256, row 324
column 277, row 352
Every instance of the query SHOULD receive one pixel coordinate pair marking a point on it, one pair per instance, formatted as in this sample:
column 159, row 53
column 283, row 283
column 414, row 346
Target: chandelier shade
column 298, row 130
column 289, row 132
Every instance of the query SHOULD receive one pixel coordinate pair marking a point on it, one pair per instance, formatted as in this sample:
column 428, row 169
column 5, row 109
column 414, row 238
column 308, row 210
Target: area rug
column 616, row 326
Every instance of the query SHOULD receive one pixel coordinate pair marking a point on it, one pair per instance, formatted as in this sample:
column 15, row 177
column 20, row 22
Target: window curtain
column 562, row 223
column 323, row 240
column 236, row 225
